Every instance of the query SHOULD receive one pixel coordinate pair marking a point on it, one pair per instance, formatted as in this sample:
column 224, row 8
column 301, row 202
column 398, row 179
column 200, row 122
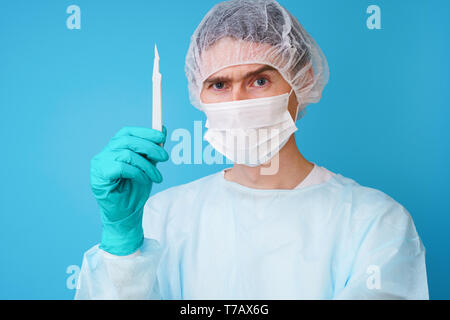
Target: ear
column 293, row 103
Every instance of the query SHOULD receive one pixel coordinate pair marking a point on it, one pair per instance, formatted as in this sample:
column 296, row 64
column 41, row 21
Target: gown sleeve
column 106, row 276
column 388, row 257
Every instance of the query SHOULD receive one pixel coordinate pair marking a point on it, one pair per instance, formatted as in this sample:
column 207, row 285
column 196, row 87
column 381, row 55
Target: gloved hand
column 122, row 175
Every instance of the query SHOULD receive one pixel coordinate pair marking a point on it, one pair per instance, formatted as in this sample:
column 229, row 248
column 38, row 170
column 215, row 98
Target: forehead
column 231, row 54
column 240, row 71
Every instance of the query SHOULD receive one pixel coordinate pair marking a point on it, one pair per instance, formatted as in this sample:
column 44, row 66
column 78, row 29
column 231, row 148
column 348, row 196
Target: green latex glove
column 122, row 175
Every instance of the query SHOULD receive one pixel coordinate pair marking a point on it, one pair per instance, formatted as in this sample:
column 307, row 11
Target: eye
column 219, row 85
column 261, row 82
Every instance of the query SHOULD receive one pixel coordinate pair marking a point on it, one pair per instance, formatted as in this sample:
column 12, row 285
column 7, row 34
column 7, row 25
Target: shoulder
column 189, row 188
column 166, row 205
column 182, row 193
column 368, row 208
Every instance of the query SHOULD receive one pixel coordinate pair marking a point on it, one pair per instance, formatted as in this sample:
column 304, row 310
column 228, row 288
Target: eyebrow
column 247, row 75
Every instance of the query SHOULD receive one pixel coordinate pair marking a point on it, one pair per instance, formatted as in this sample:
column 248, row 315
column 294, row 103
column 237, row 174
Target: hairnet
column 256, row 31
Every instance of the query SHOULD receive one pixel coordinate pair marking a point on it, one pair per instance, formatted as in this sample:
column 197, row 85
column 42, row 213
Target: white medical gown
column 216, row 239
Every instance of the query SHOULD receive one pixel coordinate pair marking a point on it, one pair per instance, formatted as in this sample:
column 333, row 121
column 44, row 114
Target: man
column 274, row 226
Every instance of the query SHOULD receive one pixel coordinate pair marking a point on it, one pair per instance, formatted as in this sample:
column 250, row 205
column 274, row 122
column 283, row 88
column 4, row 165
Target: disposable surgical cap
column 256, row 32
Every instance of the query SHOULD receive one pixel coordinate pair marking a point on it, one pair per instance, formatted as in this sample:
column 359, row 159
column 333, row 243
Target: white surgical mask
column 249, row 132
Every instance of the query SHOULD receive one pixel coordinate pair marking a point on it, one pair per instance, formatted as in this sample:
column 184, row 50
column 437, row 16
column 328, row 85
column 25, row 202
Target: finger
column 136, row 160
column 149, row 149
column 164, row 131
column 111, row 171
column 131, row 172
column 144, row 133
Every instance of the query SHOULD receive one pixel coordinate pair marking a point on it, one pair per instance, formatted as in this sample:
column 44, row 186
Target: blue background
column 382, row 121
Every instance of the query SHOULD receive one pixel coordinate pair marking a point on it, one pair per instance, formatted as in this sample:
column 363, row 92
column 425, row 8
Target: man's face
column 241, row 81
column 247, row 81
